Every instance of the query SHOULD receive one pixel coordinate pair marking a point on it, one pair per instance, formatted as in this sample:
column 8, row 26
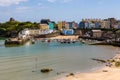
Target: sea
column 26, row 61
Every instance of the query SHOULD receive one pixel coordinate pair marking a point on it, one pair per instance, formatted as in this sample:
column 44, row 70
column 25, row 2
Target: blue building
column 70, row 25
column 97, row 24
column 87, row 25
column 81, row 25
column 68, row 32
column 51, row 25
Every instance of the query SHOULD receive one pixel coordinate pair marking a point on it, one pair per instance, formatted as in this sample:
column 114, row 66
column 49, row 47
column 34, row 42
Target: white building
column 24, row 34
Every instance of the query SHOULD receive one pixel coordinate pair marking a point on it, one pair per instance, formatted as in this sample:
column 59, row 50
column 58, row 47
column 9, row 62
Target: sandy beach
column 106, row 73
column 111, row 74
column 65, row 37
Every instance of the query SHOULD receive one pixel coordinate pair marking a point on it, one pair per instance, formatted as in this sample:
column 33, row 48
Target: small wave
column 96, row 68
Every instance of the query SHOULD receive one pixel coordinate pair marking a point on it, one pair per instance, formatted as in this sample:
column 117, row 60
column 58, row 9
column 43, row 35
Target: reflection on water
column 18, row 63
column 1, row 43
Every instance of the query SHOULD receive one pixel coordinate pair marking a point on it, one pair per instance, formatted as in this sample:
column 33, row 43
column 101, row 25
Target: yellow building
column 44, row 26
column 59, row 25
column 34, row 31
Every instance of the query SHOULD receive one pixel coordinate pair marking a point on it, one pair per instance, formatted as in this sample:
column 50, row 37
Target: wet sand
column 111, row 74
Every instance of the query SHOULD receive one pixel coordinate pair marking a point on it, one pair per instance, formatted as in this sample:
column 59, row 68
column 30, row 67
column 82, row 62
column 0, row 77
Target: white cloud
column 41, row 6
column 62, row 1
column 23, row 8
column 65, row 1
column 15, row 11
column 10, row 2
column 52, row 1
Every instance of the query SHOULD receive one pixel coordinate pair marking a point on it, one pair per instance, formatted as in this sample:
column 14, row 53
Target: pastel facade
column 118, row 24
column 107, row 24
column 112, row 22
column 66, row 25
column 59, row 25
column 51, row 25
column 34, row 32
column 44, row 26
column 68, row 32
column 97, row 23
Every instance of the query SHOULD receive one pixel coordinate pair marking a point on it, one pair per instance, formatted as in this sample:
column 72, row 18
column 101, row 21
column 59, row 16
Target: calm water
column 18, row 63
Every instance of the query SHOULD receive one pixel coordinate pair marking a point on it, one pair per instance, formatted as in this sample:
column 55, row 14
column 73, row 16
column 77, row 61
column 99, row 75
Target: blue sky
column 57, row 10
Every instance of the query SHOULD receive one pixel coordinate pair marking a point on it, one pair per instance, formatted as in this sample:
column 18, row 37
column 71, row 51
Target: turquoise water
column 24, row 62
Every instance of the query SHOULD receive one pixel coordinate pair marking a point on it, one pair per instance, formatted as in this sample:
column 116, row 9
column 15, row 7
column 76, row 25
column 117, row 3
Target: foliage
column 14, row 26
column 56, row 26
column 117, row 64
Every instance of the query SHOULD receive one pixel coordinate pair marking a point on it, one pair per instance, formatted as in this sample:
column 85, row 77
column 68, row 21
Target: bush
column 117, row 64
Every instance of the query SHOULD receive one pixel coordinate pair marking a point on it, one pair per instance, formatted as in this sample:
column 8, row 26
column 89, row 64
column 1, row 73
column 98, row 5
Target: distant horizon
column 58, row 10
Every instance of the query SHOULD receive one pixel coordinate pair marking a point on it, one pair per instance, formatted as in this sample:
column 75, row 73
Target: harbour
column 25, row 62
column 59, row 40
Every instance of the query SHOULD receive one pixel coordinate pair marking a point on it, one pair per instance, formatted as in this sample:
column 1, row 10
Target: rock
column 105, row 70
column 46, row 70
column 33, row 71
column 59, row 73
column 71, row 74
column 99, row 60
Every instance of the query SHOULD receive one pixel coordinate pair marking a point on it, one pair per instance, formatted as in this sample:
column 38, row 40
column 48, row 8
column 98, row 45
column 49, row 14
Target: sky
column 58, row 10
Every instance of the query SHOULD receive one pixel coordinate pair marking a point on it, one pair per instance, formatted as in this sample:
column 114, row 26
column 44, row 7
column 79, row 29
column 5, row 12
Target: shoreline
column 65, row 37
column 106, row 73
column 103, row 73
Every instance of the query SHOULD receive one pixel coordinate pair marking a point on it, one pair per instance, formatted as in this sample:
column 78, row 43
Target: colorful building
column 63, row 24
column 70, row 25
column 44, row 26
column 51, row 25
column 81, row 25
column 97, row 23
column 59, row 25
column 107, row 24
column 66, row 25
column 118, row 24
column 112, row 22
column 67, row 31
column 75, row 26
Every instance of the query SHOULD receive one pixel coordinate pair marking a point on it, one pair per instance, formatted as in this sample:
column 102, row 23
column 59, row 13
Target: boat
column 33, row 41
